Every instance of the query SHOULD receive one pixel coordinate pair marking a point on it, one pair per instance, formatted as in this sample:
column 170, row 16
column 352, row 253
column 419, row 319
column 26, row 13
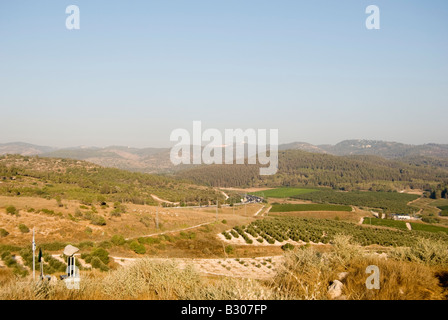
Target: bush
column 429, row 219
column 137, row 247
column 105, row 244
column 118, row 240
column 149, row 240
column 85, row 244
column 98, row 264
column 229, row 249
column 78, row 213
column 287, row 247
column 424, row 251
column 3, row 233
column 102, row 254
column 98, row 220
column 23, row 228
column 12, row 210
column 115, row 213
column 53, row 246
column 226, row 235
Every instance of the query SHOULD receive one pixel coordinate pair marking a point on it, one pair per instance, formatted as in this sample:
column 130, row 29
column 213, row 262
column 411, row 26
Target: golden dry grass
column 305, row 274
column 139, row 220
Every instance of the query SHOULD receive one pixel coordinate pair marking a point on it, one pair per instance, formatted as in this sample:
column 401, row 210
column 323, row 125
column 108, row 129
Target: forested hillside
column 300, row 168
column 80, row 180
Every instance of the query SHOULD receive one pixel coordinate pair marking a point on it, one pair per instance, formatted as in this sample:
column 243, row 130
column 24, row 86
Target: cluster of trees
column 62, row 178
column 300, row 168
column 440, row 192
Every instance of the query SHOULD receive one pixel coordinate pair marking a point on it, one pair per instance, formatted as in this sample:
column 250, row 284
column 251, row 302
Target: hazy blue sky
column 136, row 70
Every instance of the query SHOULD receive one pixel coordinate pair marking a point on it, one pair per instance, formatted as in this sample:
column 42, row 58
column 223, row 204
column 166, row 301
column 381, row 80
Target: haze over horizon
column 136, row 71
column 203, row 144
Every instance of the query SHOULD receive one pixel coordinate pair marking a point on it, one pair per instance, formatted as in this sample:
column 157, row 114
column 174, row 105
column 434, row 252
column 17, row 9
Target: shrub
column 102, row 254
column 229, row 249
column 78, row 213
column 3, row 233
column 149, row 240
column 115, row 213
column 224, row 221
column 53, row 246
column 234, row 233
column 189, row 235
column 23, row 228
column 11, row 210
column 425, row 251
column 429, row 219
column 137, row 247
column 97, row 220
column 118, row 240
column 287, row 246
column 345, row 248
column 105, row 244
column 226, row 235
column 98, row 264
column 85, row 244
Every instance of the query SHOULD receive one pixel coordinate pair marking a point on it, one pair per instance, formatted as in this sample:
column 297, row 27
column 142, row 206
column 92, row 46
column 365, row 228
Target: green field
column 283, row 192
column 393, row 202
column 288, row 207
column 385, row 223
column 428, row 228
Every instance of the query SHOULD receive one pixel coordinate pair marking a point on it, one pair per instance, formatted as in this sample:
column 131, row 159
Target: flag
column 39, row 258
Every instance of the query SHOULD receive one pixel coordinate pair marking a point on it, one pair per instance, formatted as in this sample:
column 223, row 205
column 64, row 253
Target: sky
column 137, row 70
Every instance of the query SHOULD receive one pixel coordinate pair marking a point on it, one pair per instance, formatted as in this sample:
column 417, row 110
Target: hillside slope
column 312, row 169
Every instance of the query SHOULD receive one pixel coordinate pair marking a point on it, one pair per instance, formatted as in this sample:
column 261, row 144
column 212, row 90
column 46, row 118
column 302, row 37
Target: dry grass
column 138, row 220
column 144, row 279
column 399, row 280
column 305, row 274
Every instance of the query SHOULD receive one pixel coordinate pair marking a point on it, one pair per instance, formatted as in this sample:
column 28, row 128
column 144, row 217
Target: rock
column 335, row 289
column 342, row 275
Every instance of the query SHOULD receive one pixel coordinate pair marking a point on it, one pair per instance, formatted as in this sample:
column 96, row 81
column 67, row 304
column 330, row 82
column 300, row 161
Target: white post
column 157, row 218
column 34, row 258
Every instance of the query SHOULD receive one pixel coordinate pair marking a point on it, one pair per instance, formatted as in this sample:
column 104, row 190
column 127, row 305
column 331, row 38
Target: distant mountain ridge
column 22, row 148
column 385, row 149
column 157, row 160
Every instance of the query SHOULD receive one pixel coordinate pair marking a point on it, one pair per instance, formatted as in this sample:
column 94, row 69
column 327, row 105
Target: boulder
column 335, row 289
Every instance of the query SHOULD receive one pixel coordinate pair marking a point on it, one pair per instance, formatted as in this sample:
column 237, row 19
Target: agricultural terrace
column 270, row 230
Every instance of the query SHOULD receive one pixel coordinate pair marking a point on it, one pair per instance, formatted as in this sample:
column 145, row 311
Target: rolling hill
column 300, row 168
